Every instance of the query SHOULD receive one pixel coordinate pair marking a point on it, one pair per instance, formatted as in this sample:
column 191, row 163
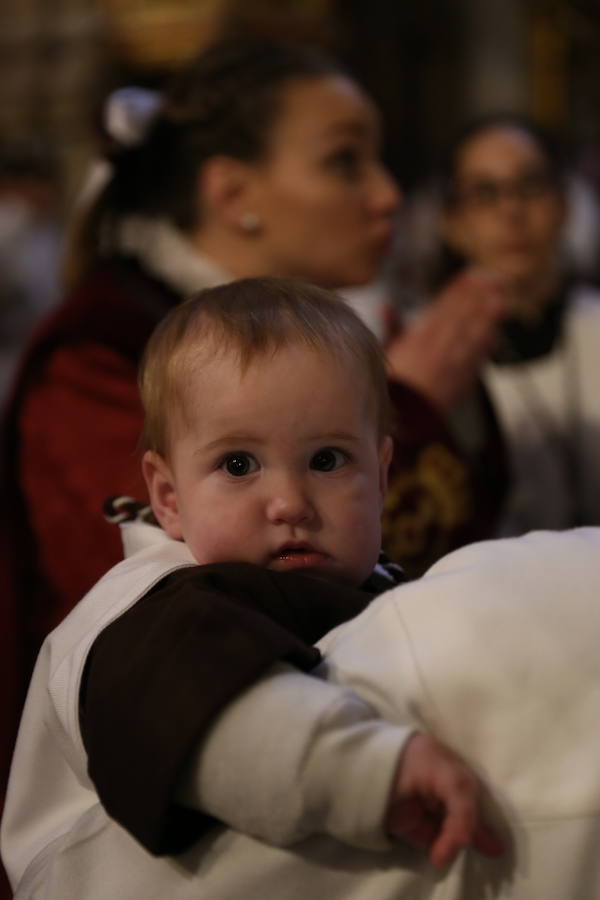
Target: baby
column 267, row 443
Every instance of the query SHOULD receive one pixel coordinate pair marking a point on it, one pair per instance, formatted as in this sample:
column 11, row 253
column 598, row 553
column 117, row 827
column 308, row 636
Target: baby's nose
column 289, row 503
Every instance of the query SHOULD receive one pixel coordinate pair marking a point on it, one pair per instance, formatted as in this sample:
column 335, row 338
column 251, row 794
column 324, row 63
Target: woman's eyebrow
column 348, row 128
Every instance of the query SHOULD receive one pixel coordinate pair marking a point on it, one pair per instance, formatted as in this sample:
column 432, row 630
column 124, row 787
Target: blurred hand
column 441, row 354
column 435, row 803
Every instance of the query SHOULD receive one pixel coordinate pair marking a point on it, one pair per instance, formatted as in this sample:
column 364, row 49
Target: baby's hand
column 434, row 803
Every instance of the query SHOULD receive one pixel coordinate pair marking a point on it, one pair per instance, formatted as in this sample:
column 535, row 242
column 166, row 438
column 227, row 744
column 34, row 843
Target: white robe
column 549, row 414
column 495, row 651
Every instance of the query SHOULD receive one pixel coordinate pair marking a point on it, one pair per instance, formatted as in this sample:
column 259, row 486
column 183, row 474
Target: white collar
column 164, row 252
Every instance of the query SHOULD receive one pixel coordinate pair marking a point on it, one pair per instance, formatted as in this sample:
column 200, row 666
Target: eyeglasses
column 487, row 194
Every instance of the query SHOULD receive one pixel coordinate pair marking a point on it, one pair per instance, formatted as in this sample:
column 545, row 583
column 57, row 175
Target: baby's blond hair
column 250, row 318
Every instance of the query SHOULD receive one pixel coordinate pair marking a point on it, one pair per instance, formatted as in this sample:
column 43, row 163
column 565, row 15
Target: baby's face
column 280, row 466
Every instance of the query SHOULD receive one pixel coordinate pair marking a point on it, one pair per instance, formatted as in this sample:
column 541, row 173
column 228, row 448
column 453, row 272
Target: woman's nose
column 386, row 194
column 289, row 502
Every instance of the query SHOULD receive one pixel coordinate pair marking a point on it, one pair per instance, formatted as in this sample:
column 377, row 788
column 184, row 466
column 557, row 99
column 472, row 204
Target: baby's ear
column 161, row 490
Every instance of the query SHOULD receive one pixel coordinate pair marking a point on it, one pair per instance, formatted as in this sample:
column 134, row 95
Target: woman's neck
column 241, row 255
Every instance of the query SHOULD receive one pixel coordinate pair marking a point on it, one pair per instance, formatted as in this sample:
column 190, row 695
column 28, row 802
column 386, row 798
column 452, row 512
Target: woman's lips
column 384, row 242
column 516, row 247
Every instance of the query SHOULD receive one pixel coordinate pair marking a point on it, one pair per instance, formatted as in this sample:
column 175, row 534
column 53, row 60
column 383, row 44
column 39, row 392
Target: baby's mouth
column 297, row 556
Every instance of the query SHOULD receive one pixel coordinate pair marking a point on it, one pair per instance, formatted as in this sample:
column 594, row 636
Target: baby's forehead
column 217, row 382
column 215, row 375
column 235, row 359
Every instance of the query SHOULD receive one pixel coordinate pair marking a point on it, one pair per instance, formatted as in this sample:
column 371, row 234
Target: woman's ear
column 226, row 186
column 162, row 493
column 385, row 457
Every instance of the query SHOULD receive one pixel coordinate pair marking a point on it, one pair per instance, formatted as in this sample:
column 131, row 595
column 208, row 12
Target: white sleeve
column 294, row 756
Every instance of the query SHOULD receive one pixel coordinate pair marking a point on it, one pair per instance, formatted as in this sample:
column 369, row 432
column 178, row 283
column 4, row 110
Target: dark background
column 430, row 64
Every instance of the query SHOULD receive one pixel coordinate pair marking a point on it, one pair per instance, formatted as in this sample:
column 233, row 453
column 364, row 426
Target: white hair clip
column 129, row 112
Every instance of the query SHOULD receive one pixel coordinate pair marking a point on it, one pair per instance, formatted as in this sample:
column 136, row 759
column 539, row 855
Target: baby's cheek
column 225, row 538
column 201, row 553
column 362, row 522
column 363, row 497
column 204, row 543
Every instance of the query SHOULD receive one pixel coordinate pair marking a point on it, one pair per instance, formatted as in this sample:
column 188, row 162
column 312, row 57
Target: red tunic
column 69, row 440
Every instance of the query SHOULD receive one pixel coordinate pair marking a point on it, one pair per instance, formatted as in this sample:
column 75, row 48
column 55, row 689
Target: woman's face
column 509, row 210
column 323, row 198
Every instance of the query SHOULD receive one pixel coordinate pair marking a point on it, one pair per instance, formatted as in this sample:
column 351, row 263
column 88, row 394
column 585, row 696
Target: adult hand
column 442, row 352
column 435, row 803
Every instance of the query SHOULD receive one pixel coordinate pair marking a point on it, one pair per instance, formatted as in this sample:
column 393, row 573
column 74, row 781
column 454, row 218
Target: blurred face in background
column 508, row 207
column 323, row 199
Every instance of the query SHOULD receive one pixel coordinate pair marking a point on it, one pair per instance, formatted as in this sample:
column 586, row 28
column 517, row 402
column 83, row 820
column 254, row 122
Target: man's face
column 509, row 209
column 279, row 466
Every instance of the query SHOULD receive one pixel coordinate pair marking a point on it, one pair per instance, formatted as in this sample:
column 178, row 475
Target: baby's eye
column 327, row 459
column 239, row 464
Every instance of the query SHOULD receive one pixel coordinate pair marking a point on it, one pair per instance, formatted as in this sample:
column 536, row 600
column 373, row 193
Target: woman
column 505, row 209
column 263, row 159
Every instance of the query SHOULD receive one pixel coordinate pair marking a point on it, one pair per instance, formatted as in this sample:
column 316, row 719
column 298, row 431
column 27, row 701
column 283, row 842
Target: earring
column 250, row 222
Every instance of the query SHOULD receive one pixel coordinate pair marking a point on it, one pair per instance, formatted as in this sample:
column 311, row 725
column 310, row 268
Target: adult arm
column 439, row 498
column 436, row 500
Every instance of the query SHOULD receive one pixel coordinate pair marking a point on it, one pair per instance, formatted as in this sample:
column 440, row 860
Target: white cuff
column 295, row 756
